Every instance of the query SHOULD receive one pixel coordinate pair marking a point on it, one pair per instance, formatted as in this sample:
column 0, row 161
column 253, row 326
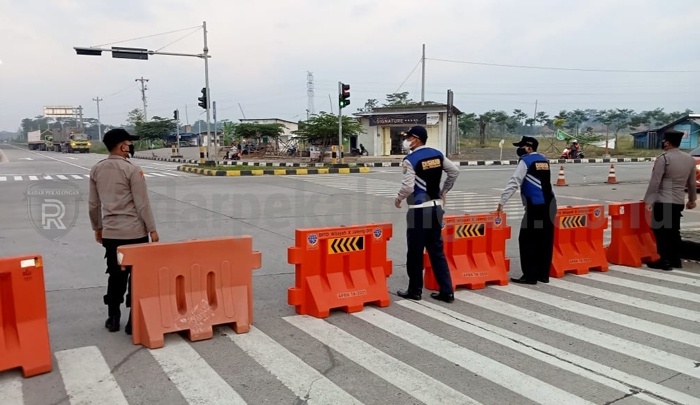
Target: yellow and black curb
column 273, row 172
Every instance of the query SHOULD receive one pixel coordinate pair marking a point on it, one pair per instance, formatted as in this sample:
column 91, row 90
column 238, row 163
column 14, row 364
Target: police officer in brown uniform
column 673, row 172
column 120, row 214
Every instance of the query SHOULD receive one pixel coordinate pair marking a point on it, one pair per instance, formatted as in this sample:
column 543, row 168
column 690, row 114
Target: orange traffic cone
column 612, row 178
column 561, row 180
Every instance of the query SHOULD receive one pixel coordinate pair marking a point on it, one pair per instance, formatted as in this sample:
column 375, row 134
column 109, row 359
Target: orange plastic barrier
column 633, row 241
column 342, row 267
column 190, row 286
column 578, row 240
column 475, row 248
column 24, row 328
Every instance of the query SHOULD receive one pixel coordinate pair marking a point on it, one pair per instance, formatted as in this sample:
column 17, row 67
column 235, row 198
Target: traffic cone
column 612, row 178
column 561, row 180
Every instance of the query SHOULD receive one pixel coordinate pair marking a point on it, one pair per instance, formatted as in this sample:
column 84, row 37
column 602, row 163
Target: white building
column 383, row 127
column 287, row 135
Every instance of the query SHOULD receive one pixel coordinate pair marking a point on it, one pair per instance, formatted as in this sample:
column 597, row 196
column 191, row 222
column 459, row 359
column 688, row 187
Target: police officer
column 120, row 214
column 536, row 239
column 673, row 172
column 422, row 172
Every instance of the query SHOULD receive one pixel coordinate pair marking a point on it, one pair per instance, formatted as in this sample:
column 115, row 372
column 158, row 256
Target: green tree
column 398, row 99
column 370, row 105
column 322, row 130
column 542, row 118
column 467, row 123
column 252, row 130
column 229, row 129
column 135, row 117
column 156, row 128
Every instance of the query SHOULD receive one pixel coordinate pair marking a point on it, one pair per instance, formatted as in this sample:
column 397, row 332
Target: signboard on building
column 398, row 119
column 59, row 112
column 432, row 118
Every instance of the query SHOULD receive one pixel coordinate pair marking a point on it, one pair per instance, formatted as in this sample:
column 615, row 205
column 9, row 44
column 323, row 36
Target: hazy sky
column 261, row 51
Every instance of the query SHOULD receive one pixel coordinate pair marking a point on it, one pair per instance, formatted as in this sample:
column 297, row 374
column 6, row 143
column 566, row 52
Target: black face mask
column 663, row 144
column 521, row 152
column 131, row 150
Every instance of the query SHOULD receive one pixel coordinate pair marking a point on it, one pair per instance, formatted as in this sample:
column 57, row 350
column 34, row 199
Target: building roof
column 266, row 119
column 408, row 109
column 694, row 117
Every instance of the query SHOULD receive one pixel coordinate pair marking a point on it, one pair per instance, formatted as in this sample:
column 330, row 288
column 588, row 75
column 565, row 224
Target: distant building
column 287, row 135
column 651, row 138
column 383, row 126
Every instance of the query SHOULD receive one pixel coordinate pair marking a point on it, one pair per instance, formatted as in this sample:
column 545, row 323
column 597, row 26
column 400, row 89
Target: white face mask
column 406, row 145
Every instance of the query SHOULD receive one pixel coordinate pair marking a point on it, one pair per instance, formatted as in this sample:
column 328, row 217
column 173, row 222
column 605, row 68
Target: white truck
column 34, row 141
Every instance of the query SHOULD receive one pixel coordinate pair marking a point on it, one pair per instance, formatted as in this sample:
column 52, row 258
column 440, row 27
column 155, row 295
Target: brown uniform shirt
column 119, row 202
column 673, row 172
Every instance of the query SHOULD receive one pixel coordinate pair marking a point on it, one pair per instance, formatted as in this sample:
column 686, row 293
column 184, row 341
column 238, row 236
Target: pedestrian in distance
column 673, row 172
column 422, row 174
column 536, row 239
column 120, row 214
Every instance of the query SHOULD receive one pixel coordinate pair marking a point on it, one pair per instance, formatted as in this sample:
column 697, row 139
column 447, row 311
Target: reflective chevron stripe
column 345, row 245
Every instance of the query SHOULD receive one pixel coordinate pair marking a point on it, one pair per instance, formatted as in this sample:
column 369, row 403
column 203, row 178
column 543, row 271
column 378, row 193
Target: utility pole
column 80, row 116
column 422, row 85
column 330, row 101
column 216, row 132
column 143, row 96
column 99, row 121
column 340, row 123
column 534, row 116
column 187, row 117
column 242, row 113
column 206, row 80
column 310, row 109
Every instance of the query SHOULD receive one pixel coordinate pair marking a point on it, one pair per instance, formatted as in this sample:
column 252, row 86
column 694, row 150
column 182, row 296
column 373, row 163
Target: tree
column 322, row 130
column 574, row 120
column 542, row 118
column 156, row 128
column 398, row 99
column 135, row 117
column 252, row 130
column 493, row 116
column 229, row 131
column 519, row 116
column 370, row 105
column 619, row 118
column 467, row 123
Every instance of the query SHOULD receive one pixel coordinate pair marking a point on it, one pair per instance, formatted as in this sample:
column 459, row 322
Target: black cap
column 528, row 141
column 419, row 132
column 113, row 137
column 674, row 137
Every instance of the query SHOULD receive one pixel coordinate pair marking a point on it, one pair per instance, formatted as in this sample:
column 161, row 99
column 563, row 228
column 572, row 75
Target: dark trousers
column 425, row 232
column 536, row 240
column 118, row 279
column 666, row 224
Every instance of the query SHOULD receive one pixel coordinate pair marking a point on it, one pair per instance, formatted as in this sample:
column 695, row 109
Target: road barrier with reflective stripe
column 578, row 240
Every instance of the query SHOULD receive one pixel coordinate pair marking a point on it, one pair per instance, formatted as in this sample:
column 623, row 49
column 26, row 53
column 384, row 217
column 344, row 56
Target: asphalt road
column 625, row 337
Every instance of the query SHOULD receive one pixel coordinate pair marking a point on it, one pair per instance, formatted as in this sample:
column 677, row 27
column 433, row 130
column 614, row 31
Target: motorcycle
column 571, row 153
column 358, row 152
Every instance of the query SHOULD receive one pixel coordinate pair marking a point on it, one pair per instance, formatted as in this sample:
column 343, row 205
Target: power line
column 178, row 40
column 409, row 75
column 562, row 68
column 147, row 36
column 122, row 90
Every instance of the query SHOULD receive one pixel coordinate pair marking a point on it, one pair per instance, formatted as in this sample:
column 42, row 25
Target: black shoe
column 524, row 280
column 112, row 324
column 127, row 328
column 543, row 280
column 677, row 264
column 444, row 297
column 660, row 265
column 409, row 295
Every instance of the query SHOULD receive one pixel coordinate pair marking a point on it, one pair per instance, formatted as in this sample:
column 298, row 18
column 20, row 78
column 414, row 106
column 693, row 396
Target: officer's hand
column 397, row 203
column 499, row 208
column 98, row 236
column 154, row 236
column 691, row 205
column 443, row 196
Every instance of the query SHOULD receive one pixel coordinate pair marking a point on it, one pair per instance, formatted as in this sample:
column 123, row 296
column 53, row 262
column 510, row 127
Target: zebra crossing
column 457, row 200
column 592, row 339
column 63, row 177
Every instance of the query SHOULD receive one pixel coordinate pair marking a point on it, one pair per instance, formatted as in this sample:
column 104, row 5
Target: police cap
column 114, row 137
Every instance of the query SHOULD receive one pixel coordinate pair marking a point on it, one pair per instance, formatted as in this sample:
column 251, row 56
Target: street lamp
column 143, row 54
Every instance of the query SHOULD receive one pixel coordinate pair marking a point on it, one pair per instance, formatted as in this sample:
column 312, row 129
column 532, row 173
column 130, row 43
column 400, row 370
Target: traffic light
column 176, row 115
column 344, row 96
column 203, row 102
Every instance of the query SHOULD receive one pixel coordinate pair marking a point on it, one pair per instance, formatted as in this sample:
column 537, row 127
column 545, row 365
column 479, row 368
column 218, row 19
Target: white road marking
column 48, row 178
column 657, row 276
column 26, row 159
column 75, row 176
column 649, row 354
column 11, row 388
column 33, row 178
column 53, row 158
column 303, row 380
column 652, row 306
column 18, row 178
column 636, row 285
column 3, row 178
column 194, row 378
column 62, row 177
column 147, row 175
column 410, row 380
column 71, row 158
column 158, row 174
column 652, row 328
column 87, row 377
column 171, row 174
column 505, row 376
column 582, row 366
column 687, row 273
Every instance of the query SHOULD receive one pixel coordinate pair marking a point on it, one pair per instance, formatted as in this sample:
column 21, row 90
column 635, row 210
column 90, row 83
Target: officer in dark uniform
column 120, row 214
column 422, row 173
column 536, row 238
column 673, row 173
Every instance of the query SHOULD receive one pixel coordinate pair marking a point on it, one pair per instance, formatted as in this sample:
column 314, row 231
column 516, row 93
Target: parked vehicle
column 70, row 142
column 38, row 141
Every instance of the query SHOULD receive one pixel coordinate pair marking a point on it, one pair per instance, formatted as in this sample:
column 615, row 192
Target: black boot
column 114, row 319
column 416, row 296
column 660, row 264
column 127, row 328
column 524, row 280
column 444, row 297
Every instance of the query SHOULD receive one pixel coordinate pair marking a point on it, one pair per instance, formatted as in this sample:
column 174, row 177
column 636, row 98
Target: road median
column 237, row 171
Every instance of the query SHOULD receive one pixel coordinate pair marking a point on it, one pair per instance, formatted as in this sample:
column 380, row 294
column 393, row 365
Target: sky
column 261, row 52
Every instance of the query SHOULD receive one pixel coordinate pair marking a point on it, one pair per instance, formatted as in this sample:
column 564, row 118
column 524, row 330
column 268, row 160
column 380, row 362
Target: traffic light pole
column 177, row 128
column 206, row 83
column 340, row 124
